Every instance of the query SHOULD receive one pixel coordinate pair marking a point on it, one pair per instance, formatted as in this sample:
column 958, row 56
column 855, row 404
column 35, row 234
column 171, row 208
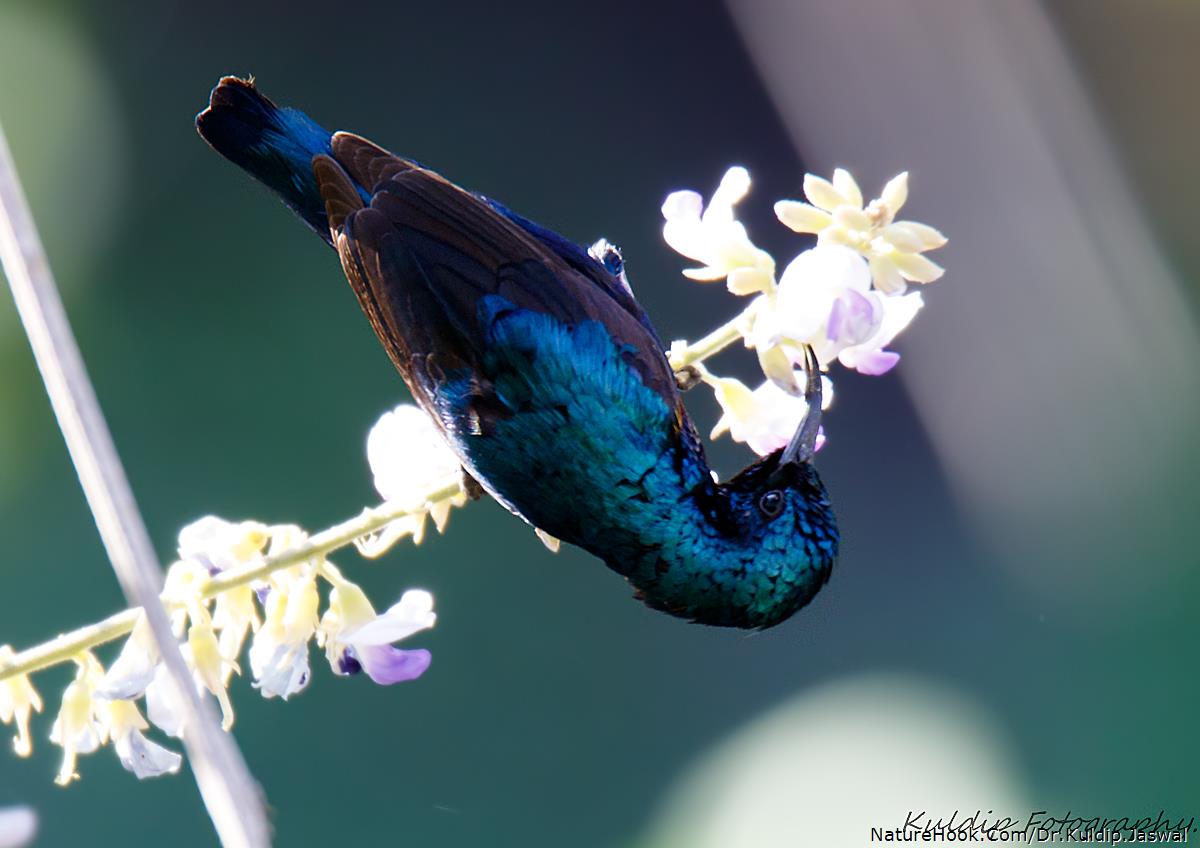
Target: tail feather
column 275, row 145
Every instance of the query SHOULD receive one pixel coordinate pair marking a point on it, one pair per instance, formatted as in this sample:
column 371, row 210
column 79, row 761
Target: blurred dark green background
column 1033, row 661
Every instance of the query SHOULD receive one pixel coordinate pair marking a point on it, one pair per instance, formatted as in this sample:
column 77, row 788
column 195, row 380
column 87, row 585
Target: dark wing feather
column 425, row 252
column 366, row 162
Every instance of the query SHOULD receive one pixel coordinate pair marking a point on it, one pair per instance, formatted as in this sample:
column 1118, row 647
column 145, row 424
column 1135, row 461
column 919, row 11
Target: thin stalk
column 709, row 345
column 232, row 797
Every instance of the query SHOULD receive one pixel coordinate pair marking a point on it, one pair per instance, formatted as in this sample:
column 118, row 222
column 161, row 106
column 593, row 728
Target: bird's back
column 544, row 376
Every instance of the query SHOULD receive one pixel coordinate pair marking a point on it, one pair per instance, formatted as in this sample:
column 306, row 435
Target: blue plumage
column 544, row 373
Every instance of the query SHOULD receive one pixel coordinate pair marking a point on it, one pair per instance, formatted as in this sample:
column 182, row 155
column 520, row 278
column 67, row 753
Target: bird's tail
column 274, row 145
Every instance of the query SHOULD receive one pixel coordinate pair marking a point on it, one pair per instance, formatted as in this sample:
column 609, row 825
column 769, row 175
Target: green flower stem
column 69, row 645
column 710, row 345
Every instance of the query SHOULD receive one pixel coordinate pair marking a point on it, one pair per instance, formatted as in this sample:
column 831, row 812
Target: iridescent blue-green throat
column 544, row 374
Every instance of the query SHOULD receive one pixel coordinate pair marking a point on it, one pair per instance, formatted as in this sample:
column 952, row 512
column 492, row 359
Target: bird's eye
column 771, row 503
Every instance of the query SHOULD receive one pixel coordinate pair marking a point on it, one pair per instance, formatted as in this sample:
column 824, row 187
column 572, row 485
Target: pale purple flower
column 854, row 318
column 869, row 356
column 356, row 639
column 825, row 300
column 765, row 418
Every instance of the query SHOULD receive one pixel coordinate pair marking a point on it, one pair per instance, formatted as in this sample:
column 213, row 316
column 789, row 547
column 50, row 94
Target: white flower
column 356, row 638
column 18, row 826
column 409, row 459
column 408, row 455
column 220, row 545
column 184, row 591
column 279, row 652
column 137, row 753
column 893, row 248
column 18, row 699
column 825, row 300
column 138, row 671
column 133, row 670
column 164, row 708
column 714, row 237
column 79, row 728
column 765, row 418
column 811, row 285
column 234, row 614
column 162, row 703
column 87, row 720
column 209, row 668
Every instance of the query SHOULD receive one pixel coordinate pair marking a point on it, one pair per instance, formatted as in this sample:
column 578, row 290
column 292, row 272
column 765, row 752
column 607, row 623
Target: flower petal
column 408, row 455
column 281, row 674
column 145, row 758
column 734, row 397
column 683, row 206
column 18, row 699
column 162, row 707
column 895, row 193
column 377, row 544
column 802, row 217
column 898, row 313
column 872, row 362
column 128, row 677
column 847, row 187
column 917, row 268
column 835, row 236
column 440, row 513
column 870, row 357
column 851, row 218
column 778, row 369
column 735, row 185
column 743, row 281
column 856, row 315
column 387, row 665
column 411, row 614
column 822, row 194
column 886, row 276
column 765, row 419
column 809, row 286
column 707, row 274
column 923, row 236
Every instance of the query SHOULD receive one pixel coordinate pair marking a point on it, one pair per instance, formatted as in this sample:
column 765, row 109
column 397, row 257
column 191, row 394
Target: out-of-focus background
column 1011, row 626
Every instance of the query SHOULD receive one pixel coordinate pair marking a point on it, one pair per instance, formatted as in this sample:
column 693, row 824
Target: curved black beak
column 803, row 444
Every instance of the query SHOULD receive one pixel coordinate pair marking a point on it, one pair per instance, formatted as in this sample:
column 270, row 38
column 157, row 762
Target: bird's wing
column 424, row 253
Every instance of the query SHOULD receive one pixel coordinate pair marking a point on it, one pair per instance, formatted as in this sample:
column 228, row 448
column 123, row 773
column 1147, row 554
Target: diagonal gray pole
column 233, row 798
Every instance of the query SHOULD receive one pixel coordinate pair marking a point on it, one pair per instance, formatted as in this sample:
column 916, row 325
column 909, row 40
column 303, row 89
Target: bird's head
column 768, row 540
